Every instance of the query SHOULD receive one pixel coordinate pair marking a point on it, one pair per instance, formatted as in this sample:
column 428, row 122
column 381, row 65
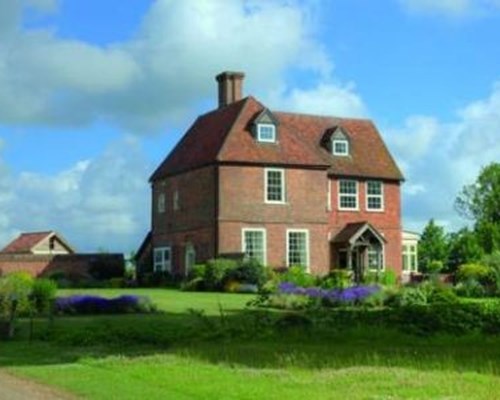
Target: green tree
column 480, row 202
column 433, row 246
column 464, row 248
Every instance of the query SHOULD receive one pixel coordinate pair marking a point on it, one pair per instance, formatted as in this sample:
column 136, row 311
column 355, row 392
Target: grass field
column 106, row 357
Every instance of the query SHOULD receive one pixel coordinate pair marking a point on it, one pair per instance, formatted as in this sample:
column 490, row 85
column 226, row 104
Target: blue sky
column 94, row 94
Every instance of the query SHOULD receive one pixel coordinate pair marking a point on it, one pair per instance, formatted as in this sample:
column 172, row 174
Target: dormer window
column 266, row 133
column 340, row 147
column 337, row 141
column 265, row 127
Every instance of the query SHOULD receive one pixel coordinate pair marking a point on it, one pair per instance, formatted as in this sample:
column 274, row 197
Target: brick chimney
column 230, row 87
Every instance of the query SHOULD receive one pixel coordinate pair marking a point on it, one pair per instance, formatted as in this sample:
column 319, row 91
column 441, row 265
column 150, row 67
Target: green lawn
column 181, row 355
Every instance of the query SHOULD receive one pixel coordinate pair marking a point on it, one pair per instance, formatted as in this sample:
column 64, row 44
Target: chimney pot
column 230, row 87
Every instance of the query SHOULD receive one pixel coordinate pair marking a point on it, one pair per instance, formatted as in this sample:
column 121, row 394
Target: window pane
column 297, row 248
column 274, row 185
column 254, row 245
column 340, row 147
column 266, row 132
column 374, row 187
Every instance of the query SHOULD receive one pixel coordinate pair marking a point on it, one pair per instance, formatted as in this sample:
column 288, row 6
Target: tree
column 480, row 202
column 464, row 248
column 433, row 246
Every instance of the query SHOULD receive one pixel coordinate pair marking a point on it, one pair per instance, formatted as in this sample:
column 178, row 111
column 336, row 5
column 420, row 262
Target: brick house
column 48, row 254
column 284, row 188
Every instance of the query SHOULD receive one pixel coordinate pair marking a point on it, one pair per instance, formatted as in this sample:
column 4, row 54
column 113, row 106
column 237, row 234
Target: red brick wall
column 387, row 222
column 242, row 196
column 193, row 222
column 242, row 205
column 72, row 265
column 230, row 241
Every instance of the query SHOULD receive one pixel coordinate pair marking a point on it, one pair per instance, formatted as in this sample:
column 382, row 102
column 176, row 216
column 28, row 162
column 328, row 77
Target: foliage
column 470, row 288
column 480, row 201
column 15, row 288
column 464, row 248
column 478, row 272
column 432, row 246
column 493, row 262
column 87, row 304
column 215, row 272
column 434, row 266
column 298, row 276
column 248, row 271
column 408, row 296
column 43, row 293
column 337, row 279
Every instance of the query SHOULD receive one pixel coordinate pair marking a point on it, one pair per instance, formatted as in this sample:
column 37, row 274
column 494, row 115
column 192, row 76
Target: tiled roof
column 201, row 143
column 349, row 231
column 225, row 135
column 25, row 242
column 369, row 156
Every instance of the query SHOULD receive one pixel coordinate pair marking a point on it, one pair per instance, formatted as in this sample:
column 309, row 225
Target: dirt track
column 14, row 388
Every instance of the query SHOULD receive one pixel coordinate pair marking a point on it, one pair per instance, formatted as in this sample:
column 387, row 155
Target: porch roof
column 353, row 231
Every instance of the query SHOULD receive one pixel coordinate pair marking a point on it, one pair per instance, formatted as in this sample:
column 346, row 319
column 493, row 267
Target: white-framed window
column 410, row 258
column 376, row 258
column 374, row 196
column 162, row 259
column 266, row 133
column 254, row 243
column 274, row 185
column 297, row 247
column 175, row 200
column 340, row 147
column 348, row 194
column 161, row 203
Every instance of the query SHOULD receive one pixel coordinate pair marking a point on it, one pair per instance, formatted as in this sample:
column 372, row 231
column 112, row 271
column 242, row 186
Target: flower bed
column 86, row 304
column 352, row 294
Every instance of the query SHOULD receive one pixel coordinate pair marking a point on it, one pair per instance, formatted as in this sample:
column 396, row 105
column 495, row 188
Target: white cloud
column 452, row 8
column 440, row 158
column 96, row 203
column 323, row 99
column 167, row 66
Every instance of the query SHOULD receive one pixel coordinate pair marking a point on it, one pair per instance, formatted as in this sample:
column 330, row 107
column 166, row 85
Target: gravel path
column 14, row 388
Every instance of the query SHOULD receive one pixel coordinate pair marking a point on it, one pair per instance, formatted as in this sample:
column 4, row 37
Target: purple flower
column 86, row 304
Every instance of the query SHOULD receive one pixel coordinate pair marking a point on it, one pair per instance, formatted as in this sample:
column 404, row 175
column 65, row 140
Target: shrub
column 15, row 289
column 43, row 293
column 470, row 288
column 248, row 271
column 116, row 283
column 408, row 296
column 198, row 271
column 215, row 272
column 479, row 272
column 337, row 279
column 193, row 285
column 435, row 266
column 298, row 276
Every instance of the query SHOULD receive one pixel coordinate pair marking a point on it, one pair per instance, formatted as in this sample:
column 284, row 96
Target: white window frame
column 164, row 265
column 411, row 250
column 306, row 231
column 356, row 195
column 264, row 242
column 382, row 259
column 340, row 153
column 161, row 203
column 283, row 185
column 266, row 126
column 378, row 196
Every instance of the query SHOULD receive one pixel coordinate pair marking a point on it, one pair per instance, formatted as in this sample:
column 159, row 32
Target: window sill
column 375, row 210
column 275, row 202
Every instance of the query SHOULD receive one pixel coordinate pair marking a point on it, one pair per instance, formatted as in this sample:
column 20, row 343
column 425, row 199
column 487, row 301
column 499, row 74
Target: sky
column 94, row 95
